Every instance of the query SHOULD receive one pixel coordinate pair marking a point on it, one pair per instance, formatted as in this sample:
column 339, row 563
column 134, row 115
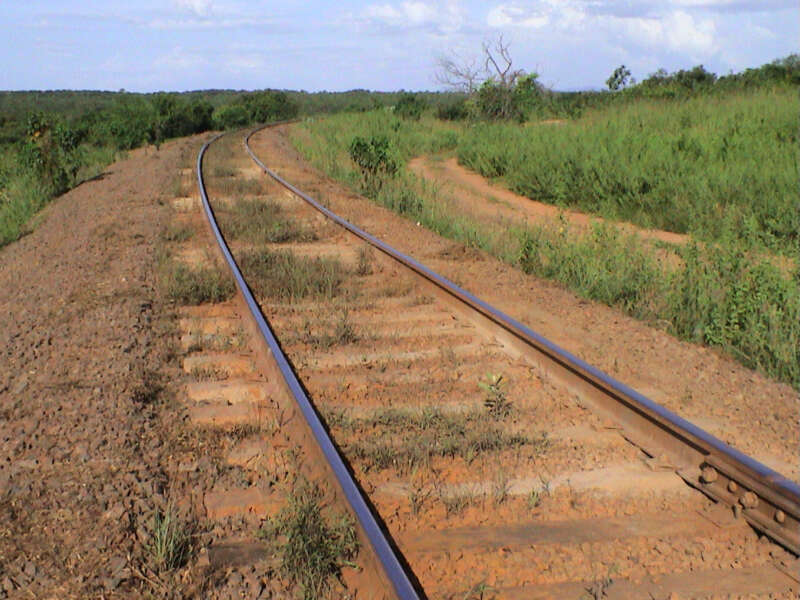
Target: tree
column 495, row 84
column 619, row 78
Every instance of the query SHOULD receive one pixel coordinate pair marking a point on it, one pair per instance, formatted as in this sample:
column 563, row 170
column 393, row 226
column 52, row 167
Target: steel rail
column 389, row 562
column 767, row 500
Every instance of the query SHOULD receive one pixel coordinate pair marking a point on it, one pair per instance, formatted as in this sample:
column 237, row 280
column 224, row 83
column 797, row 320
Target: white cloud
column 683, row 32
column 513, row 15
column 178, row 59
column 655, row 26
column 199, row 7
column 447, row 16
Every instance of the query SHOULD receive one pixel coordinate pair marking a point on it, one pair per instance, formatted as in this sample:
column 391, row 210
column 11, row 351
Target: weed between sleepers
column 282, row 275
column 313, row 546
column 196, row 285
column 343, row 333
column 428, row 435
column 260, row 222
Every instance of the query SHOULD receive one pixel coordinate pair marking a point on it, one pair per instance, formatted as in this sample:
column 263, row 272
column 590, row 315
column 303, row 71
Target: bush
column 128, row 123
column 410, row 106
column 50, row 152
column 455, row 111
column 375, row 158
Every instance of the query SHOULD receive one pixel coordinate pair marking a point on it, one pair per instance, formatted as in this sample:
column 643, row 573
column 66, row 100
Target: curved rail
column 767, row 499
column 391, row 565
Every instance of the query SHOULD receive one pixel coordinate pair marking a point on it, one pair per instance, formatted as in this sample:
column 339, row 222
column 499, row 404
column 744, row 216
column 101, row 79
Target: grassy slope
column 713, row 166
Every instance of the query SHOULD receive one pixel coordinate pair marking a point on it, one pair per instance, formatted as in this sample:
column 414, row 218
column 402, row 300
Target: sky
column 180, row 45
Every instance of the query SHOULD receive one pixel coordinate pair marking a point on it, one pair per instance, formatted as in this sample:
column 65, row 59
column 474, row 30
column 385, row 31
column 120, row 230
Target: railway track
column 479, row 459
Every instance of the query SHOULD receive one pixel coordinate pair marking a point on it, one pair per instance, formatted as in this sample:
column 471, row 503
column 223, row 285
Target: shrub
column 50, row 152
column 269, row 105
column 231, row 116
column 410, row 106
column 455, row 111
column 375, row 158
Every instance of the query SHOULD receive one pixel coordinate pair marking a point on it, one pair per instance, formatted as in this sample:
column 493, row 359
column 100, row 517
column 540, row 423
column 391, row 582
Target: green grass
column 195, row 285
column 419, row 437
column 283, row 275
column 177, row 232
column 22, row 194
column 313, row 546
column 341, row 333
column 261, row 222
column 730, row 292
column 170, row 541
column 712, row 166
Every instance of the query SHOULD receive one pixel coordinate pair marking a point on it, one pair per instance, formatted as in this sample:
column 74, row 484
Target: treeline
column 526, row 99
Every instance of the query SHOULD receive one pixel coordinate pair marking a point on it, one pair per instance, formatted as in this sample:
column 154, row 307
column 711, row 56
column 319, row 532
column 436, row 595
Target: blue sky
column 386, row 45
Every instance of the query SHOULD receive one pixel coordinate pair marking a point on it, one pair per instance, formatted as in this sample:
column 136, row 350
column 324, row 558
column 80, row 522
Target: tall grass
column 722, row 294
column 712, row 166
column 23, row 193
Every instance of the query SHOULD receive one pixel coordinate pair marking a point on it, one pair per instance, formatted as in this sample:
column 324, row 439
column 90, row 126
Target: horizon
column 374, row 46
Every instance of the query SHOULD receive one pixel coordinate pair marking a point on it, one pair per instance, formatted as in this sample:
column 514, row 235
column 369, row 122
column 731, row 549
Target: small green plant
column 177, row 233
column 313, row 547
column 223, row 171
column 601, row 585
column 534, row 498
column 478, row 591
column 501, row 488
column 170, row 541
column 343, row 333
column 455, row 503
column 496, row 402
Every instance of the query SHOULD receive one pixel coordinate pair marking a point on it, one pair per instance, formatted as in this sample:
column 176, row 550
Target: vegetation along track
column 498, row 464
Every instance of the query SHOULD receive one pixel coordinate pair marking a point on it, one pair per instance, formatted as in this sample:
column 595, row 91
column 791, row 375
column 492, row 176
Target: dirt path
column 480, row 197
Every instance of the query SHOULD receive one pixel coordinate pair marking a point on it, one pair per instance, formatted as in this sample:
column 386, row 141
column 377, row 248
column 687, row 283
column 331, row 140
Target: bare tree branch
column 498, row 53
column 457, row 73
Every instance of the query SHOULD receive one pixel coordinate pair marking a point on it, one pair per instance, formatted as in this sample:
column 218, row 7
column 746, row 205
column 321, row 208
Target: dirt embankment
column 89, row 442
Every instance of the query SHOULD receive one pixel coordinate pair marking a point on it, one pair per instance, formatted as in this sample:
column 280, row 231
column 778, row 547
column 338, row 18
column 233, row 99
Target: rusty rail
column 766, row 499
